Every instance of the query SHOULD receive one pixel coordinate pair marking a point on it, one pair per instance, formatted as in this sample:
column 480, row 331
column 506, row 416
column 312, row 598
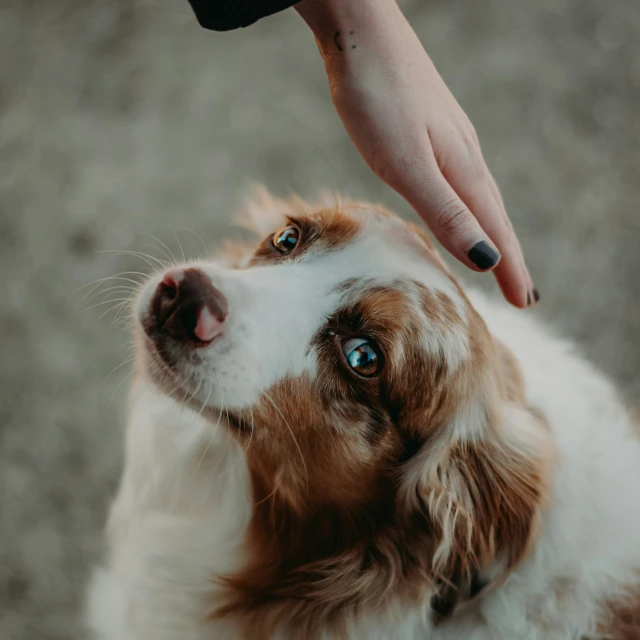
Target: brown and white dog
column 329, row 438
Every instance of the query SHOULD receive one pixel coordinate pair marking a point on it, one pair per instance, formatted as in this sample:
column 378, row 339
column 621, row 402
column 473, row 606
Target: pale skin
column 414, row 135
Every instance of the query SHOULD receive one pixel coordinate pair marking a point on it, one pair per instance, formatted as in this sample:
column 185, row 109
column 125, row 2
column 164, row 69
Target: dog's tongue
column 207, row 327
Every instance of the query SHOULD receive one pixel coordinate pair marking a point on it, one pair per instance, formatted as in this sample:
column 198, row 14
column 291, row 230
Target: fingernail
column 528, row 298
column 536, row 295
column 483, row 255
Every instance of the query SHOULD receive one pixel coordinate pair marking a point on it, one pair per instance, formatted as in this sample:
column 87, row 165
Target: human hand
column 413, row 134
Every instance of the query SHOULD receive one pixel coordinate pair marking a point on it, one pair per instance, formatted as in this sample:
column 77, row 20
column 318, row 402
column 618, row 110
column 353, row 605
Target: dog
column 329, row 438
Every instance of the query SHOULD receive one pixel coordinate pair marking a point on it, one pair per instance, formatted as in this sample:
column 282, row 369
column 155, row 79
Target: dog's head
column 386, row 433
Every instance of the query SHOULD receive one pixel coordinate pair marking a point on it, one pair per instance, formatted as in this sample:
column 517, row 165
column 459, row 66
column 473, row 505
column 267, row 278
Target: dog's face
column 366, row 391
column 320, row 279
column 343, row 333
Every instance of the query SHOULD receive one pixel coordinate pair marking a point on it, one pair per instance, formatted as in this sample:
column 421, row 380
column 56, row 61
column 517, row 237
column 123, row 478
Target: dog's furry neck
column 316, row 559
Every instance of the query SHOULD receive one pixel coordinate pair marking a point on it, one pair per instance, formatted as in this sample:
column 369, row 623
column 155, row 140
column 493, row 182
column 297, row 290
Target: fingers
column 511, row 274
column 451, row 221
column 466, row 173
column 507, row 280
column 457, row 198
column 486, row 204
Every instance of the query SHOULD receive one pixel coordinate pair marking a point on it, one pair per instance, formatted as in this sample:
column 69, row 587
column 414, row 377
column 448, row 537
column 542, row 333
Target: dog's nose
column 186, row 306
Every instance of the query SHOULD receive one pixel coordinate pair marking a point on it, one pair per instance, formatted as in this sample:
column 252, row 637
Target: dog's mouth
column 158, row 352
column 164, row 368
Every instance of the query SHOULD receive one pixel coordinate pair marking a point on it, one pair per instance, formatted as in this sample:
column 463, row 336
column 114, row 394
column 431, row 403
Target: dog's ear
column 263, row 213
column 482, row 500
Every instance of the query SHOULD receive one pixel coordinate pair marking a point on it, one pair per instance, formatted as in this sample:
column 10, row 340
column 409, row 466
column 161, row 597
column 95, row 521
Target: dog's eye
column 286, row 239
column 361, row 356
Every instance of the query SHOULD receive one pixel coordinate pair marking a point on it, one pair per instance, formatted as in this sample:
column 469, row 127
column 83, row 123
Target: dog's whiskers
column 252, row 430
column 212, row 436
column 120, row 304
column 153, row 262
column 113, row 277
column 117, row 287
column 304, row 464
column 163, row 247
column 185, row 383
column 100, row 304
column 193, row 395
column 184, row 258
column 271, row 494
column 122, row 364
column 122, row 313
column 96, row 290
column 206, row 249
column 119, row 385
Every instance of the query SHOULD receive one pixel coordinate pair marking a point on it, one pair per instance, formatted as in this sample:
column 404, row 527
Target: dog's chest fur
column 185, row 502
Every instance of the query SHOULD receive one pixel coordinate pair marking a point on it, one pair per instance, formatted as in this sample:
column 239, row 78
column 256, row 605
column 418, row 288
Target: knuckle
column 475, row 166
column 474, row 162
column 469, row 131
column 454, row 217
column 472, row 135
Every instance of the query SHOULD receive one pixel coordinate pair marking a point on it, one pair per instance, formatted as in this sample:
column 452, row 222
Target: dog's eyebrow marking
column 373, row 285
column 351, row 284
column 321, row 232
column 347, row 284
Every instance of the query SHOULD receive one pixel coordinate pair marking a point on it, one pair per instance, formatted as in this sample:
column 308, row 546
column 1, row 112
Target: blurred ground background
column 119, row 117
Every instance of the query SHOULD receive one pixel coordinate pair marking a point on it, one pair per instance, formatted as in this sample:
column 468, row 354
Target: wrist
column 341, row 25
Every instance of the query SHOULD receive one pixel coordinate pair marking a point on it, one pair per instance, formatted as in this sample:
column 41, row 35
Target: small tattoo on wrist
column 337, row 40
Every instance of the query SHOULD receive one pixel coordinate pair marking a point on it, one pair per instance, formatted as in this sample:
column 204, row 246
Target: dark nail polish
column 528, row 299
column 483, row 255
column 536, row 295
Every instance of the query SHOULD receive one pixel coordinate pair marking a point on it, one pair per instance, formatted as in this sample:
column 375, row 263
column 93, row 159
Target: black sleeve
column 226, row 15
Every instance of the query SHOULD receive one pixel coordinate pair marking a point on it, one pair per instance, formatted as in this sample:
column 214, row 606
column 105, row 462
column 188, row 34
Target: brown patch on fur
column 439, row 309
column 493, row 501
column 335, row 229
column 448, row 309
column 621, row 619
column 510, row 374
column 331, row 535
column 484, row 497
column 320, row 548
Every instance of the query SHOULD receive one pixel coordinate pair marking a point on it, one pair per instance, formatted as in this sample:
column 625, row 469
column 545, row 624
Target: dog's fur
column 484, row 486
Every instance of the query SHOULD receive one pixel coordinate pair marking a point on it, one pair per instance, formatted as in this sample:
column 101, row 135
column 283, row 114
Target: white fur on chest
column 177, row 522
column 184, row 504
column 590, row 541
